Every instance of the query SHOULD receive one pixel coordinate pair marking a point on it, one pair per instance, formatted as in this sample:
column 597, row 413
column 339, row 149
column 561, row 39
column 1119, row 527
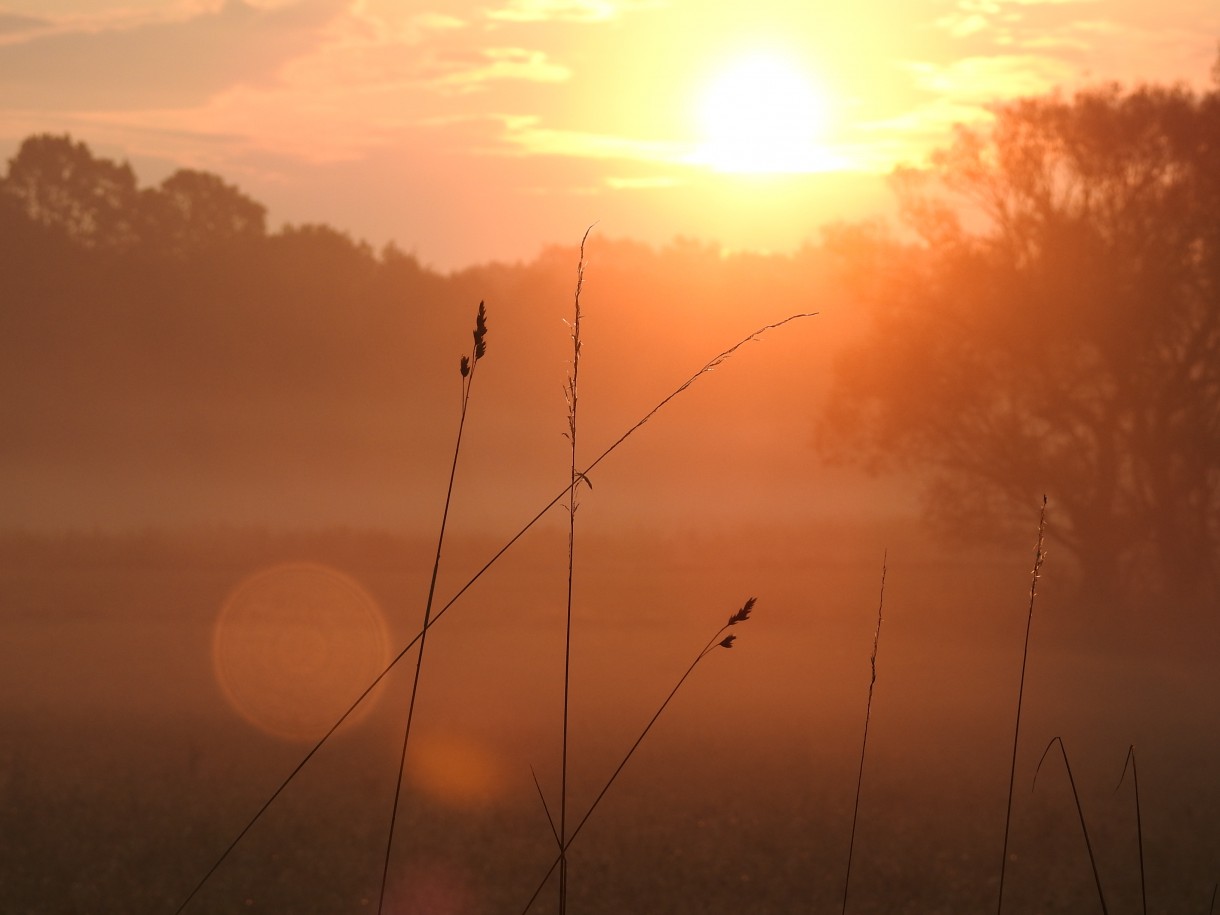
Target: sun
column 762, row 115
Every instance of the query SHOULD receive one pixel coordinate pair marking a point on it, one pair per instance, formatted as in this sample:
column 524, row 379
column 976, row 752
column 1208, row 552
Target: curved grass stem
column 1129, row 762
column 1079, row 812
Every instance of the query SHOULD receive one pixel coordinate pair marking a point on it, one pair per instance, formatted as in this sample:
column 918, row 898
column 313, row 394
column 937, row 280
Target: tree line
column 1045, row 319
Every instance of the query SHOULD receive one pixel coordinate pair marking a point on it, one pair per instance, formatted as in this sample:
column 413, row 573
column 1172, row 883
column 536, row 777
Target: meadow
column 124, row 771
column 127, row 769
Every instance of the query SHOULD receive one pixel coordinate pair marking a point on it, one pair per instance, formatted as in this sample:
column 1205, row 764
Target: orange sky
column 467, row 130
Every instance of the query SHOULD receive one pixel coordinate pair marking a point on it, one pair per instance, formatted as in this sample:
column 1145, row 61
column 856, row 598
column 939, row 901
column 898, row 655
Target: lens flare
column 455, row 771
column 294, row 645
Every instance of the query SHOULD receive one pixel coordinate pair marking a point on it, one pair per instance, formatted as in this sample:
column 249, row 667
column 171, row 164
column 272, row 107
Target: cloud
column 528, row 137
column 555, row 10
column 469, row 71
column 159, row 63
column 643, row 183
column 13, row 23
column 982, row 80
column 436, row 22
column 961, row 91
column 1009, row 22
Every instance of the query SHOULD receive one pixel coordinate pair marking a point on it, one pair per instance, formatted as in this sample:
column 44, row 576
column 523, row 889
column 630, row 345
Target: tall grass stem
column 468, row 367
column 868, row 714
column 572, row 393
column 1039, row 556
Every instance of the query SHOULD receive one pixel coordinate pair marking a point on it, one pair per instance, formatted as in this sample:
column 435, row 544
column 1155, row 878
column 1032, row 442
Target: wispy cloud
column 79, row 67
column 563, row 10
column 982, row 80
column 14, row 24
column 495, row 64
column 528, row 136
column 649, row 182
column 1008, row 22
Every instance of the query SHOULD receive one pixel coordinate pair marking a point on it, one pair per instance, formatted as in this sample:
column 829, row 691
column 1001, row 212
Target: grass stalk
column 1139, row 823
column 868, row 714
column 1079, row 812
column 467, row 367
column 711, row 364
column 1039, row 556
column 719, row 640
column 572, row 395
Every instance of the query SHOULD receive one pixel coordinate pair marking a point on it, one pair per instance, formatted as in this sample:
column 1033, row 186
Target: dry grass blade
column 546, row 809
column 1129, row 762
column 868, row 714
column 1039, row 556
column 468, row 366
column 1079, row 812
column 719, row 640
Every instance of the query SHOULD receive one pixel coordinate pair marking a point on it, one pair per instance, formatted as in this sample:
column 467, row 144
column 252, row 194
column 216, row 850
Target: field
column 124, row 773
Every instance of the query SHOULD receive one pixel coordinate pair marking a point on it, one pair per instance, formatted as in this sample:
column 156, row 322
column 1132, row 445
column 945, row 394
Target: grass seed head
column 743, row 614
column 727, row 641
column 480, row 332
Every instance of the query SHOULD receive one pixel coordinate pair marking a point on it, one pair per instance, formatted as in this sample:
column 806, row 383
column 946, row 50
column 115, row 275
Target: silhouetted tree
column 193, row 211
column 1055, row 328
column 59, row 184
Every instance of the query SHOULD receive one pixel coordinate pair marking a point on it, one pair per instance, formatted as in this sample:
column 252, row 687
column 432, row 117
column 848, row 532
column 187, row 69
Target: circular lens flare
column 294, row 645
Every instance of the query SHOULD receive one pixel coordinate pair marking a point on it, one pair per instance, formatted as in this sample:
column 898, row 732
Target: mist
column 225, row 458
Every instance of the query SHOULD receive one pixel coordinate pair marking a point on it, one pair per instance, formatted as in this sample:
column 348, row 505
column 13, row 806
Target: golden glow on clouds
column 977, row 79
column 479, row 103
column 547, row 10
column 507, row 63
column 527, row 134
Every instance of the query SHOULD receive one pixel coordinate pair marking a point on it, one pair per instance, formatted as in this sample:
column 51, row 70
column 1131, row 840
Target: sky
column 465, row 131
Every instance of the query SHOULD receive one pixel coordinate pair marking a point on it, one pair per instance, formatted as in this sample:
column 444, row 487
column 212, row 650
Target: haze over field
column 243, row 250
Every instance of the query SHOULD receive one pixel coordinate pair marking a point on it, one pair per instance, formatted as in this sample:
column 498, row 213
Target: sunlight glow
column 455, row 771
column 763, row 115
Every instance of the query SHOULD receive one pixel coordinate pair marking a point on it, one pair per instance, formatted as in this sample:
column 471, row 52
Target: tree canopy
column 57, row 183
column 170, row 357
column 1051, row 324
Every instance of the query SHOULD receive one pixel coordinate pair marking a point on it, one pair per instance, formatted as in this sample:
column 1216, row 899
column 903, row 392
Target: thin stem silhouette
column 1139, row 822
column 1039, row 556
column 1079, row 812
column 436, row 617
column 716, row 641
column 572, row 394
column 468, row 366
column 868, row 713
